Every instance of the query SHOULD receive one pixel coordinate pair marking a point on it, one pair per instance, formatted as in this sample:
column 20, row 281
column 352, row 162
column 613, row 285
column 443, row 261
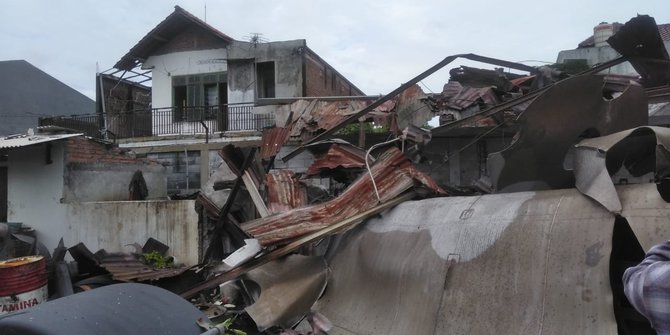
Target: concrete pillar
column 204, row 165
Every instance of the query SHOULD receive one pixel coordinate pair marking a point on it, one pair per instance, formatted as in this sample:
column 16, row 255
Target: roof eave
column 154, row 39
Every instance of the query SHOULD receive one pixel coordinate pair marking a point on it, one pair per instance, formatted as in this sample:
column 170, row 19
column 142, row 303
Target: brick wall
column 84, row 150
column 322, row 80
column 193, row 38
column 96, row 171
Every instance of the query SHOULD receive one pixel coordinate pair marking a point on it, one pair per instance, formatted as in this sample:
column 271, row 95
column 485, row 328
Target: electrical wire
column 367, row 165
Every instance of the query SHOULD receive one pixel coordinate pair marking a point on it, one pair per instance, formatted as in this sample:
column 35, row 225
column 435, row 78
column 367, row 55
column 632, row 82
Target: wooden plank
column 293, row 246
column 255, row 195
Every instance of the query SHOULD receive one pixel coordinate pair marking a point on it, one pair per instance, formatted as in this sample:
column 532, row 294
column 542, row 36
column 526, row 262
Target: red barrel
column 23, row 283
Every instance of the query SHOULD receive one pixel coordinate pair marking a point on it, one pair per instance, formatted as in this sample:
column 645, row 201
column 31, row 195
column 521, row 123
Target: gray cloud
column 376, row 44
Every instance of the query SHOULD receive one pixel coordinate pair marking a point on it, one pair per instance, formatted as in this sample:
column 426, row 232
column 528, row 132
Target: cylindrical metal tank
column 23, row 283
column 601, row 33
column 110, row 310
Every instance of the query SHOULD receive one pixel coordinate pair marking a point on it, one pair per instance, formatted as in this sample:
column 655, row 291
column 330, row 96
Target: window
column 265, row 79
column 198, row 97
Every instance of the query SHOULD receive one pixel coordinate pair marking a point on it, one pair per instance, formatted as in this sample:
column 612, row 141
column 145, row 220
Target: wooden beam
column 293, row 246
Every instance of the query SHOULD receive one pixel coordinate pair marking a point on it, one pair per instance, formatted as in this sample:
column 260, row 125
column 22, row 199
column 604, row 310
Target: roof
column 160, row 35
column 24, row 140
column 26, row 93
column 284, row 191
column 391, row 175
column 344, row 155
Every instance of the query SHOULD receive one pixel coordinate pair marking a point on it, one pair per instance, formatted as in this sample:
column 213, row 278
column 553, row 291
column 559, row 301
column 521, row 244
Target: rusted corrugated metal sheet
column 345, row 156
column 17, row 141
column 455, row 96
column 127, row 267
column 393, row 175
column 285, row 192
column 321, row 115
column 272, row 141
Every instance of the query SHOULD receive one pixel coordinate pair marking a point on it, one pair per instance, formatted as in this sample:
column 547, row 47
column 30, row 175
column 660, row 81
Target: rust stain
column 338, row 156
column 285, row 192
column 272, row 141
column 19, row 261
column 393, row 174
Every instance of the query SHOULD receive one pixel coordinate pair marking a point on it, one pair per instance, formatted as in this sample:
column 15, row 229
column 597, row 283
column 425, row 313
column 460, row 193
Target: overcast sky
column 376, row 44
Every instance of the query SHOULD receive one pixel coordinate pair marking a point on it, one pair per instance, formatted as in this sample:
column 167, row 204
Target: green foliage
column 354, row 128
column 571, row 66
column 156, row 260
column 228, row 323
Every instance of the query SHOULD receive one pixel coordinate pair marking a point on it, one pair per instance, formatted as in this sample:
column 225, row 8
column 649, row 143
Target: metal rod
column 404, row 87
column 291, row 247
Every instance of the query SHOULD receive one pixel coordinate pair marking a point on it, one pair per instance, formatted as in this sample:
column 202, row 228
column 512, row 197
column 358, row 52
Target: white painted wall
column 114, row 224
column 178, row 64
column 34, row 191
column 596, row 56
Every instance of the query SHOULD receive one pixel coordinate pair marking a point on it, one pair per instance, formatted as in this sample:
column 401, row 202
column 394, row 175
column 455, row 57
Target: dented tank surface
column 527, row 262
column 621, row 157
column 556, row 120
column 113, row 309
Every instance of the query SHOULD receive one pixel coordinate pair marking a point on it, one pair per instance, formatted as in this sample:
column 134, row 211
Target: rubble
column 277, row 260
column 392, row 174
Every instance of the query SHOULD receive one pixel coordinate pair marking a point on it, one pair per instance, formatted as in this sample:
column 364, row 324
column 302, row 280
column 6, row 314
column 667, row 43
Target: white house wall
column 598, row 55
column 111, row 225
column 35, row 198
column 164, row 67
column 288, row 59
column 35, row 189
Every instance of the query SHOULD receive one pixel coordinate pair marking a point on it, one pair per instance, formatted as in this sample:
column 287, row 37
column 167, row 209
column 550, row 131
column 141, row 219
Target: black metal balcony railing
column 165, row 121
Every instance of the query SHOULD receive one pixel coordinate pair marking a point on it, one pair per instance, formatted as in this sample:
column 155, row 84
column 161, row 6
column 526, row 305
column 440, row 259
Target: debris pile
column 273, row 238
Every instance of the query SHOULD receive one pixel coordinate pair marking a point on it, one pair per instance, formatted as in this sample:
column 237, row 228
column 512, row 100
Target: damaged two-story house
column 203, row 90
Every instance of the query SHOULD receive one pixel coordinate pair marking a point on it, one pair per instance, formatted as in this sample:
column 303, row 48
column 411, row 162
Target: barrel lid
column 19, row 261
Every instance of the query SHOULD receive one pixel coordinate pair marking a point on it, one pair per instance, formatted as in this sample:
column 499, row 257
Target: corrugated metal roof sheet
column 285, row 191
column 346, row 156
column 272, row 141
column 456, row 96
column 393, row 175
column 17, row 141
column 322, row 115
column 126, row 267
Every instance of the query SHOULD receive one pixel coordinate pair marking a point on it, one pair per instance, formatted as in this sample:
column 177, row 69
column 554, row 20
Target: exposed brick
column 83, row 150
column 319, row 80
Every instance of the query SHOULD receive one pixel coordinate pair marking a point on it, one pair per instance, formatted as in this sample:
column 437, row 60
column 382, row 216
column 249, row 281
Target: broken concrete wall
column 110, row 182
column 288, row 65
column 113, row 224
column 241, row 81
column 98, row 172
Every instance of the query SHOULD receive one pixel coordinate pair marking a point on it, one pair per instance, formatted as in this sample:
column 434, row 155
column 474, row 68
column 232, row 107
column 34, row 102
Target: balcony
column 165, row 121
